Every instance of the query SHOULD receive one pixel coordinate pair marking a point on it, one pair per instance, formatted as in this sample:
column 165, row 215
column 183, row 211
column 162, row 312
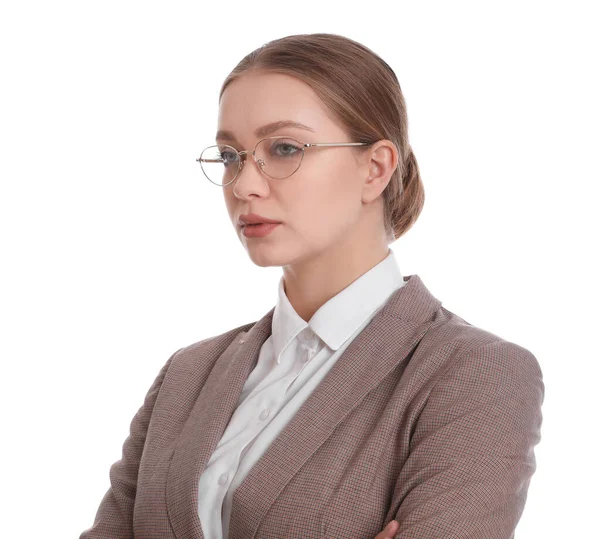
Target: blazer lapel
column 207, row 422
column 385, row 342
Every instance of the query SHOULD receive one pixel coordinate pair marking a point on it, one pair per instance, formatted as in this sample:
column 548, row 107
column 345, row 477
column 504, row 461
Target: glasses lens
column 279, row 157
column 220, row 163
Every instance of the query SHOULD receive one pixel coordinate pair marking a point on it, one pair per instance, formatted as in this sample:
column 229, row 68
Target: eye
column 284, row 149
column 228, row 157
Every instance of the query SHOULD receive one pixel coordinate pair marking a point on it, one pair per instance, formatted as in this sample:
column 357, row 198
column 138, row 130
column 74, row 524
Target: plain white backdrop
column 116, row 251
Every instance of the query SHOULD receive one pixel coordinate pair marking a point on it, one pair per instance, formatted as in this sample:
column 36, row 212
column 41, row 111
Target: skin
column 389, row 531
column 331, row 207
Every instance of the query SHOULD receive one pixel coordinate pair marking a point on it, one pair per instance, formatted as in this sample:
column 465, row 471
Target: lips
column 255, row 219
column 258, row 230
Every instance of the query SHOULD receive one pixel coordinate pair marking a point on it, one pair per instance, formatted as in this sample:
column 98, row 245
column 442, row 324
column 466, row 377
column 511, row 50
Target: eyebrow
column 265, row 130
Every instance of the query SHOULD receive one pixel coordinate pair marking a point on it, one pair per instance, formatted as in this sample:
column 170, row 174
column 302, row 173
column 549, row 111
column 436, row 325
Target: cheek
column 340, row 193
column 326, row 206
column 230, row 203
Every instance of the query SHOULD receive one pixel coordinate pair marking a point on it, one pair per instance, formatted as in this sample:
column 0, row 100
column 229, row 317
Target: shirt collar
column 337, row 319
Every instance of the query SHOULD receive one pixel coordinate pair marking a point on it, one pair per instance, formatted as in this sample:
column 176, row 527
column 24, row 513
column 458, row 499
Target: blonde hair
column 364, row 95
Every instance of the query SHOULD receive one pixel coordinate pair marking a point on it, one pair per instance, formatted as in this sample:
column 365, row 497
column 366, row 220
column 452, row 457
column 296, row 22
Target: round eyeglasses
column 278, row 157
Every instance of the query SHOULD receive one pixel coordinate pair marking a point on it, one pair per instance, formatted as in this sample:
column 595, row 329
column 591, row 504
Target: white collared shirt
column 291, row 363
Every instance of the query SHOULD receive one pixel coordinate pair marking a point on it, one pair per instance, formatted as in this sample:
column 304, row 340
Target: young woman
column 358, row 401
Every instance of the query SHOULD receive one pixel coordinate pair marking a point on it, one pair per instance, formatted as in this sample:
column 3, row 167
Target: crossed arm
column 472, row 451
column 470, row 463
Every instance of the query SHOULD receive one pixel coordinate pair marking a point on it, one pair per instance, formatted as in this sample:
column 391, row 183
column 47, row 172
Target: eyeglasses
column 278, row 157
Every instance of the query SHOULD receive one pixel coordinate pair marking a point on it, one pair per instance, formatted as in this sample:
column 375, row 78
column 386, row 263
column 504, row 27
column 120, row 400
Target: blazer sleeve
column 471, row 453
column 114, row 517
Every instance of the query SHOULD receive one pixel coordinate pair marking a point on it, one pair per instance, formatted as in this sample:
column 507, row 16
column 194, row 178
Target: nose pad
column 259, row 162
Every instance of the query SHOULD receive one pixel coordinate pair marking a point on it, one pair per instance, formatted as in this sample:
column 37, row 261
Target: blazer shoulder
column 209, row 347
column 454, row 338
column 189, row 367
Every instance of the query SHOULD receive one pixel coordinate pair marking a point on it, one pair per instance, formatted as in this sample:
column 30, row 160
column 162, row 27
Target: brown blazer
column 425, row 419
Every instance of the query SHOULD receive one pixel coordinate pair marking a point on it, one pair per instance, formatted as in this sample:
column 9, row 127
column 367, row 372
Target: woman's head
column 359, row 198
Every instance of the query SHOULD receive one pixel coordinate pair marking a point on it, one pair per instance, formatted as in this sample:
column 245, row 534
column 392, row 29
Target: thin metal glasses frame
column 260, row 162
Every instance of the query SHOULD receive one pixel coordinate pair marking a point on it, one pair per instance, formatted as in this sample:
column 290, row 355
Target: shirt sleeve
column 471, row 453
column 114, row 517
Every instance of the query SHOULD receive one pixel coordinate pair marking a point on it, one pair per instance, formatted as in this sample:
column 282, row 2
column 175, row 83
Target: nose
column 243, row 158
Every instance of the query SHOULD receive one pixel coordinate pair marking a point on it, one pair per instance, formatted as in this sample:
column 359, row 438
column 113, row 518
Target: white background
column 116, row 251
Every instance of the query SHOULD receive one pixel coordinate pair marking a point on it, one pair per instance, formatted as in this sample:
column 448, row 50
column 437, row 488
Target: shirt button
column 223, row 478
column 265, row 413
column 241, row 341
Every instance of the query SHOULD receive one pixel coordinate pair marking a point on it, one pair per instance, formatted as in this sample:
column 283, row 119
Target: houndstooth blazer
column 425, row 419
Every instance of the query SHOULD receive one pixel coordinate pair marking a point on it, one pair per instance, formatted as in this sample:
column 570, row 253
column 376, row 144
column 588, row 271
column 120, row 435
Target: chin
column 262, row 260
column 266, row 255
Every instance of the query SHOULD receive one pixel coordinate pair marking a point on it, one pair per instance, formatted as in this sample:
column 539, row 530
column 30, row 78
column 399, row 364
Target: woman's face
column 321, row 206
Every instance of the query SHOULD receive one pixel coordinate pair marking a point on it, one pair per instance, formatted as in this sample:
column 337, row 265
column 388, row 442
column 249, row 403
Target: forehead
column 254, row 100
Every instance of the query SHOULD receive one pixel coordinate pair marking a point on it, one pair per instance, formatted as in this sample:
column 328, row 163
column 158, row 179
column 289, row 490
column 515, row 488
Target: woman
column 358, row 401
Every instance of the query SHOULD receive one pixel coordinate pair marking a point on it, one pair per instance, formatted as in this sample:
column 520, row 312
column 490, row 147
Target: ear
column 383, row 161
